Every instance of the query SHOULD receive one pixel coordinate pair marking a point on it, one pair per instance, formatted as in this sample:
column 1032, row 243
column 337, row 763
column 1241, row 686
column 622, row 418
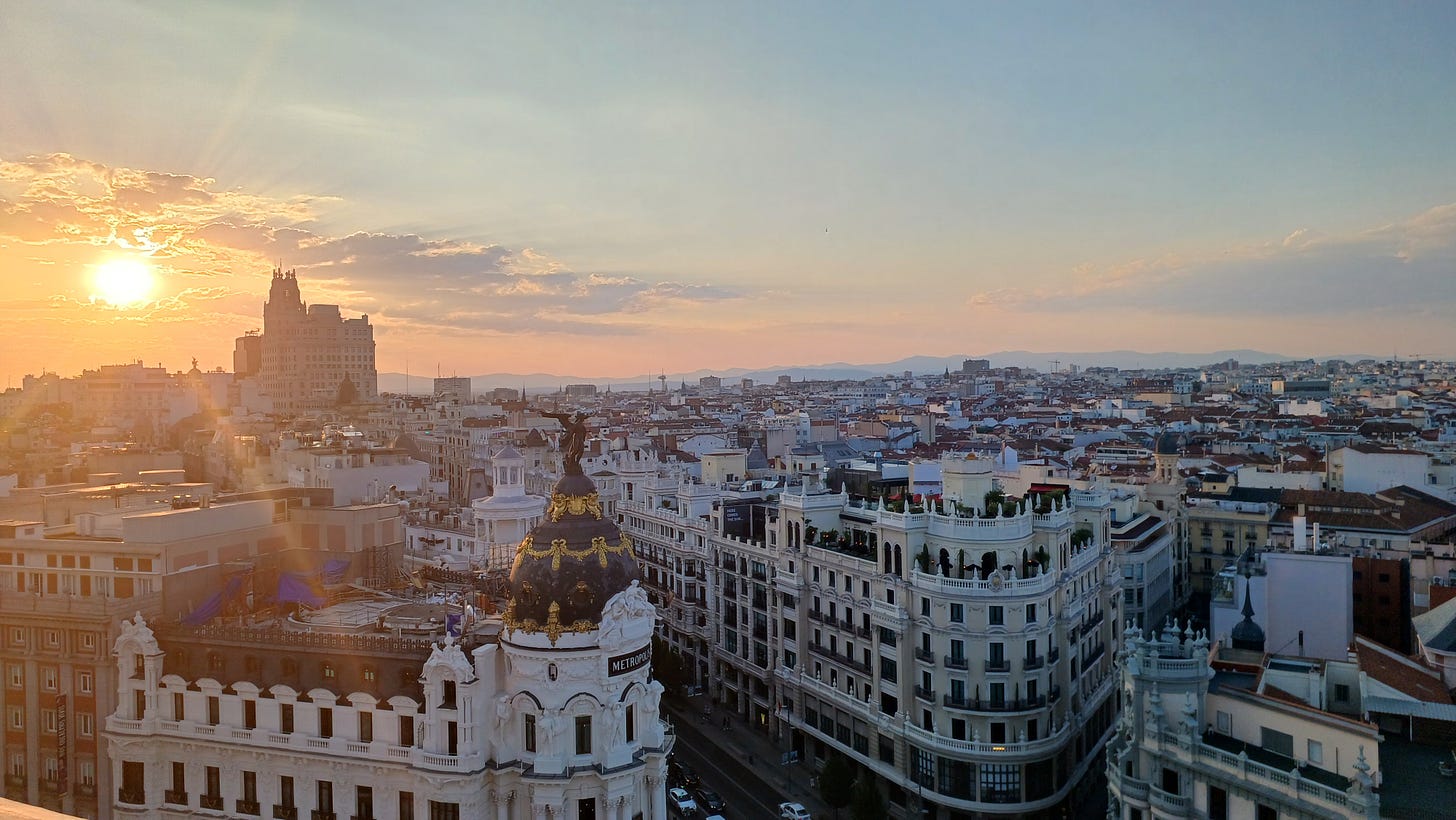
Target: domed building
column 549, row 713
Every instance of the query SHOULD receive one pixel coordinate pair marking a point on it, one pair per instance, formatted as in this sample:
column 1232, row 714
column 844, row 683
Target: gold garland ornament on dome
column 558, row 549
column 562, row 504
column 553, row 628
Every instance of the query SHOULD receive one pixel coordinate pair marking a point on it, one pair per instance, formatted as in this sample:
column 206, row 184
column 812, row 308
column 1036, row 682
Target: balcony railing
column 1017, row 705
column 925, row 656
column 323, row 815
column 133, row 796
column 925, row 694
column 954, row 662
column 285, row 813
column 249, row 807
column 210, row 801
column 1173, row 804
column 175, row 796
column 1002, row 665
column 1055, row 694
column 1029, row 664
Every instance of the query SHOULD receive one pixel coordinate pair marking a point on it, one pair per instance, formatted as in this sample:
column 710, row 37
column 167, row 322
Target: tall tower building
column 312, row 357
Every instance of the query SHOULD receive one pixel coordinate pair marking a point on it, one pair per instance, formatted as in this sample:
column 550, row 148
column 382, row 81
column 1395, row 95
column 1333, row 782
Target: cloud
column 1405, row 267
column 191, row 228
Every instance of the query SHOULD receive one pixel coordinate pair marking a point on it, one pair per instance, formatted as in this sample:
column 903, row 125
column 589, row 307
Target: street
column 749, row 794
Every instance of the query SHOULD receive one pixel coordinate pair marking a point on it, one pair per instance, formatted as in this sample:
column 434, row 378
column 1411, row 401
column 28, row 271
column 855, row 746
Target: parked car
column 793, row 811
column 710, row 802
column 690, row 779
column 682, row 801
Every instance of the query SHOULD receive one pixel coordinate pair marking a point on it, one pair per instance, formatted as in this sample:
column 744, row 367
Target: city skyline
column 694, row 187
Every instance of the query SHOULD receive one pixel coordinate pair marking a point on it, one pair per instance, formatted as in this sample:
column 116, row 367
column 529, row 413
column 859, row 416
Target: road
column 748, row 794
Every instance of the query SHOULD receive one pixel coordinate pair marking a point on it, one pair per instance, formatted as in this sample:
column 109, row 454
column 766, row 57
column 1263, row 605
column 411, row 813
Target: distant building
column 975, row 365
column 310, row 352
column 453, row 387
column 710, row 382
column 581, row 390
column 248, row 354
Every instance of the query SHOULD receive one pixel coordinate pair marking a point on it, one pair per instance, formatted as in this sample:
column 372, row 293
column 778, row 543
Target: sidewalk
column 754, row 747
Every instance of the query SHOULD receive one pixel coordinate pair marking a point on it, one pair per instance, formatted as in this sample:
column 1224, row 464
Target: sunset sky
column 607, row 189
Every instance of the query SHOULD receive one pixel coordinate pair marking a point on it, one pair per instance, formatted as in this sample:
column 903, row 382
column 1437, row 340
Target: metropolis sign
column 622, row 664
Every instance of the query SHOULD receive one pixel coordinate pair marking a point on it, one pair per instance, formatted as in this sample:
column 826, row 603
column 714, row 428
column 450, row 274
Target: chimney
column 1300, row 544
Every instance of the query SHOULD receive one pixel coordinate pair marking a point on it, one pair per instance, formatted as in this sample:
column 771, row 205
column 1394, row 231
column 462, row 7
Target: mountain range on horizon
column 1044, row 361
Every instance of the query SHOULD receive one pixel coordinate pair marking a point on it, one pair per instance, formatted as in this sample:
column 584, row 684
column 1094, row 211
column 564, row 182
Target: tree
column 867, row 803
column 836, row 782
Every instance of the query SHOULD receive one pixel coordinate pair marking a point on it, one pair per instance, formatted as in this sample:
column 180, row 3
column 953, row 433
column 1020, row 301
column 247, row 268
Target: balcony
column 816, row 615
column 1054, row 655
column 323, row 815
column 1055, row 694
column 925, row 694
column 955, row 662
column 1001, row 665
column 285, row 813
column 15, row 780
column 249, row 807
column 135, row 797
column 862, row 631
column 210, row 801
column 175, row 796
column 1166, row 803
column 1020, row 705
column 1030, row 664
column 925, row 656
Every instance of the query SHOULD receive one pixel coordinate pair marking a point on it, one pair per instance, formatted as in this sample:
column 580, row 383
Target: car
column 714, row 817
column 690, row 779
column 794, row 811
column 682, row 801
column 710, row 802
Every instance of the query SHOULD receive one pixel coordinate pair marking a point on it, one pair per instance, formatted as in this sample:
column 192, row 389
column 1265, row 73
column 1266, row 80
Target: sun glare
column 122, row 282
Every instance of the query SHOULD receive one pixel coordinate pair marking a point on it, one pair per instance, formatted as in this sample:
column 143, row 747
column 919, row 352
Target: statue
column 502, row 715
column 573, row 439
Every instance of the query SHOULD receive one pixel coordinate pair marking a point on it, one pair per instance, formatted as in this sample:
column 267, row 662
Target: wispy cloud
column 192, row 228
column 1409, row 266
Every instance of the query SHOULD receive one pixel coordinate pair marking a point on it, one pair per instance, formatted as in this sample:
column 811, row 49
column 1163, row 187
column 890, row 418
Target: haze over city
column 688, row 187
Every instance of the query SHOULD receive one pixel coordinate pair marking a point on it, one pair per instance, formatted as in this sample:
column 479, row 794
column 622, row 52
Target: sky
column 611, row 189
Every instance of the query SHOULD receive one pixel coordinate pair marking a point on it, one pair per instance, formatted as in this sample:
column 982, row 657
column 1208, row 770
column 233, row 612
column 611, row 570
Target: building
column 958, row 651
column 547, row 711
column 65, row 589
column 1227, row 733
column 1302, row 601
column 455, row 388
column 312, row 357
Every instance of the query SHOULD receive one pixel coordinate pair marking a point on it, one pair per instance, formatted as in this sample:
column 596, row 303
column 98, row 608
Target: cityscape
column 647, row 412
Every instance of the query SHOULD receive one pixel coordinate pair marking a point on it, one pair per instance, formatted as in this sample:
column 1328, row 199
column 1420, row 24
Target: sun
column 122, row 282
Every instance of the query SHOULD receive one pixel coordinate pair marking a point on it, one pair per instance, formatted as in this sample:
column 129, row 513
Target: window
column 957, row 613
column 998, row 616
column 285, row 792
column 250, row 787
column 250, row 714
column 1316, row 752
column 16, row 675
column 406, row 806
column 324, row 796
column 213, row 776
column 16, row 717
column 925, row 607
column 326, row 722
column 1342, row 691
column 1276, row 741
column 285, row 718
column 85, row 724
column 406, row 730
column 366, row 727
column 85, row 681
column 530, row 739
column 1225, row 723
column 1217, row 803
column 179, row 781
column 1031, row 613
column 48, row 721
column 363, row 802
column 213, row 711
column 48, row 678
column 444, row 811
column 583, row 735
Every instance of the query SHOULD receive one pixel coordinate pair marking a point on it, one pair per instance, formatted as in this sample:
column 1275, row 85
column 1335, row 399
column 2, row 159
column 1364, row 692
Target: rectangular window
column 530, row 739
column 285, row 792
column 85, row 724
column 444, row 811
column 366, row 727
column 406, row 730
column 631, row 724
column 213, row 711
column 85, row 681
column 998, row 616
column 324, row 792
column 406, row 806
column 179, row 776
column 1316, row 752
column 214, row 781
column 250, row 714
column 1276, row 741
column 364, row 803
column 285, row 715
column 250, row 787
column 583, row 735
column 16, row 675
column 957, row 613
column 1031, row 613
column 1217, row 804
column 1225, row 723
column 48, row 678
column 326, row 722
